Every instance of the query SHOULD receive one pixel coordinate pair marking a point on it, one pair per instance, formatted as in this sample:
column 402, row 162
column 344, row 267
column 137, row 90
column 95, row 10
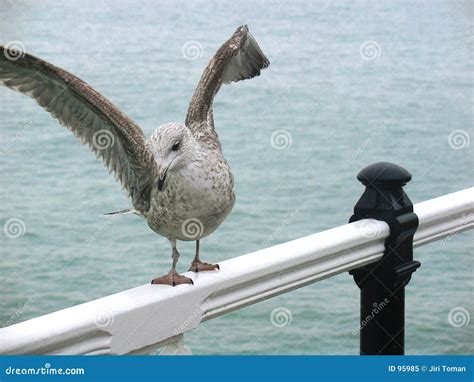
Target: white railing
column 142, row 319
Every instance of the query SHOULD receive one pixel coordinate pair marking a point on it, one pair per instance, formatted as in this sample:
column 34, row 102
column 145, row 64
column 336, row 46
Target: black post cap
column 384, row 174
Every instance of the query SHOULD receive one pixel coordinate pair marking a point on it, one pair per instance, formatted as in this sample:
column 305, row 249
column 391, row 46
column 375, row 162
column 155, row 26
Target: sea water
column 349, row 84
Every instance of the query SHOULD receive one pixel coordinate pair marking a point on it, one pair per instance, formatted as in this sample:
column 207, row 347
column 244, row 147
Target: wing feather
column 111, row 134
column 239, row 58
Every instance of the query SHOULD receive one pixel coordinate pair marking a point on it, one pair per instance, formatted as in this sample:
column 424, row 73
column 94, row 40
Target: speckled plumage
column 200, row 192
column 178, row 176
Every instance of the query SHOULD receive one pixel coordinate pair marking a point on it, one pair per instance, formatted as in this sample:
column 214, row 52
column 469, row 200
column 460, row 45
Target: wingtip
column 243, row 29
column 121, row 212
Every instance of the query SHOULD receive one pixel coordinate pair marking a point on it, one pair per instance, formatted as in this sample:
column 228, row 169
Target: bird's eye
column 175, row 147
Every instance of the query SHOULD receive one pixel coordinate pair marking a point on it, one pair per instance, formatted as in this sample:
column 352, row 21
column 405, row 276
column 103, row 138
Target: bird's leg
column 197, row 265
column 173, row 278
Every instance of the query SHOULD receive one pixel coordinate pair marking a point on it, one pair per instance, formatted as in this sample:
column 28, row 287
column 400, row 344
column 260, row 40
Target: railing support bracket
column 382, row 284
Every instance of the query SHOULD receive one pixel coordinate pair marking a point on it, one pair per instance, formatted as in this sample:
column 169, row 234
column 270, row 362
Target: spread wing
column 239, row 58
column 112, row 135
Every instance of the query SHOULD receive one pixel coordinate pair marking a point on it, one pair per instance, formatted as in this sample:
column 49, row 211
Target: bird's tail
column 124, row 212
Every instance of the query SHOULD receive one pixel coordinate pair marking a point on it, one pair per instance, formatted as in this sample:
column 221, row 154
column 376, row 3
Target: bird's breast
column 193, row 202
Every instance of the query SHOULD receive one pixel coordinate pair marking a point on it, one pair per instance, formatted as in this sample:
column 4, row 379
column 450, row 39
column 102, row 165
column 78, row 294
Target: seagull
column 178, row 179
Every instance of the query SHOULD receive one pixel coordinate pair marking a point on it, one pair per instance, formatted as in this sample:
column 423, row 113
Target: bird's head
column 172, row 145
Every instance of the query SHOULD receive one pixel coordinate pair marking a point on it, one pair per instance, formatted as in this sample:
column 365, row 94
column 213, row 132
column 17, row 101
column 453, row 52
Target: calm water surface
column 350, row 84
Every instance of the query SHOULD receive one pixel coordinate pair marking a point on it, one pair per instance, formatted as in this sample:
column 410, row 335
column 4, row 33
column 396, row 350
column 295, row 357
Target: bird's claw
column 198, row 266
column 173, row 279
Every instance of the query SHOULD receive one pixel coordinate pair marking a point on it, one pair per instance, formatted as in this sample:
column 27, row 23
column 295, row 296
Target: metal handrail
column 139, row 320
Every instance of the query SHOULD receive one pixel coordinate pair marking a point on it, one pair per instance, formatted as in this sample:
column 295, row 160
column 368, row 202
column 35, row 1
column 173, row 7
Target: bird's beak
column 162, row 178
column 162, row 173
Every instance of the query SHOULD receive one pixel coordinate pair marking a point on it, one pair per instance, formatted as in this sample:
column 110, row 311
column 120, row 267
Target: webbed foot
column 173, row 279
column 199, row 266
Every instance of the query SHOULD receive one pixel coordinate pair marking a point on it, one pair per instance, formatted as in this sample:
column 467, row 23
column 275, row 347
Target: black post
column 382, row 284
